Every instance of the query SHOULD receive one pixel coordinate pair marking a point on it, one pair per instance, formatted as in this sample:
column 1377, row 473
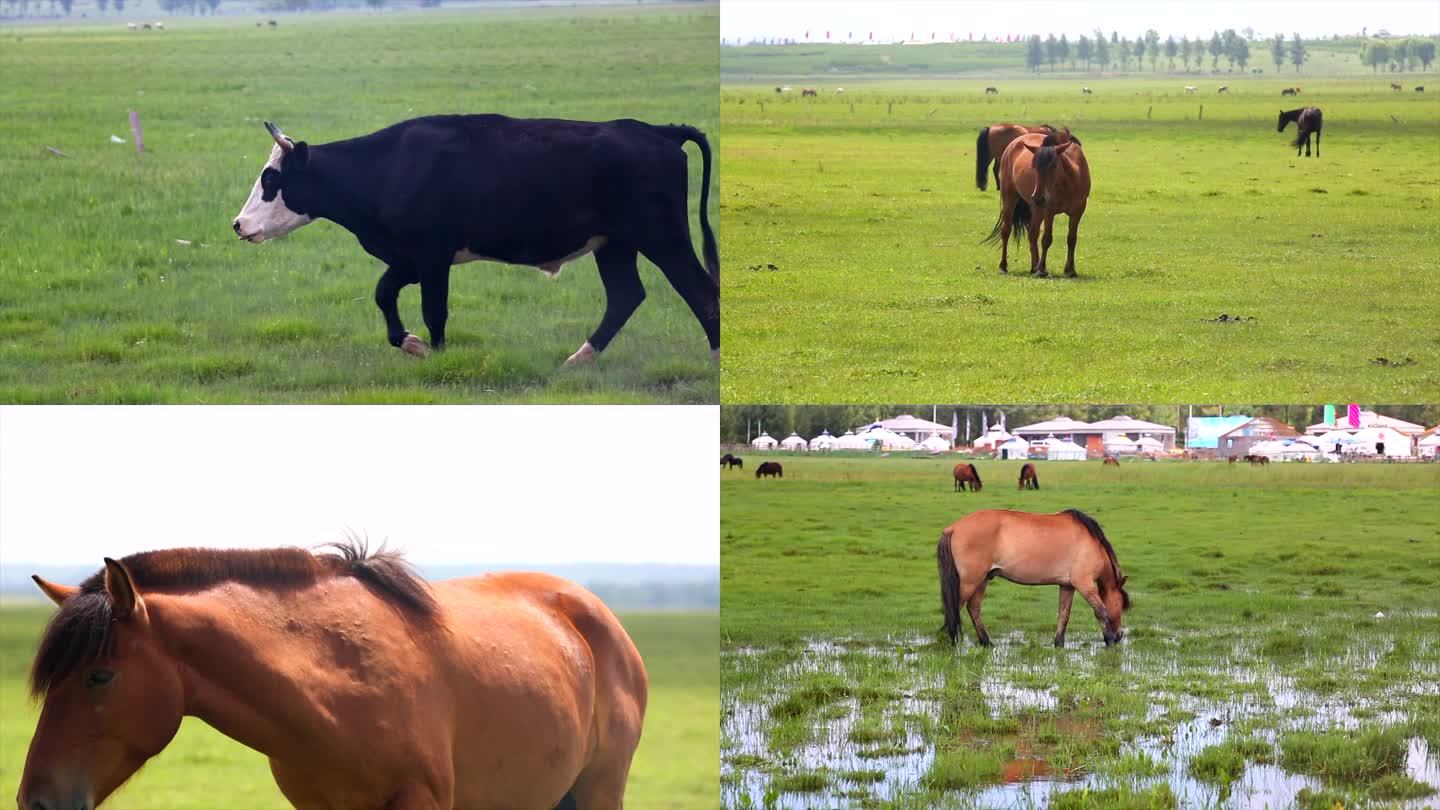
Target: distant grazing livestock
column 1395, row 87
column 1041, row 177
column 145, row 26
column 839, row 91
column 993, row 140
column 1289, row 91
column 809, row 91
column 779, row 90
column 1307, row 120
column 1420, row 88
column 729, row 461
column 1190, row 89
column 1028, row 478
column 991, row 91
column 966, row 474
column 1224, row 88
column 1110, row 461
column 1087, row 91
column 770, row 469
column 272, row 23
column 160, row 26
column 132, row 26
column 429, row 193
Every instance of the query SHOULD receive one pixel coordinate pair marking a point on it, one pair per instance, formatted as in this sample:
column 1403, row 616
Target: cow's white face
column 265, row 215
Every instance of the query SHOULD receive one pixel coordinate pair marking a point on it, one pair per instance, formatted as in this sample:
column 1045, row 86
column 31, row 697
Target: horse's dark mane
column 80, row 633
column 1099, row 534
column 1045, row 157
column 975, row 471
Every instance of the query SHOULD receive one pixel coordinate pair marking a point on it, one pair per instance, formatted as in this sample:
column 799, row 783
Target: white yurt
column 1301, row 451
column 887, row 440
column 1118, row 444
column 1334, row 441
column 849, row 441
column 1061, row 450
column 994, row 437
column 934, row 444
column 1365, row 441
column 1429, row 446
column 793, row 443
column 823, row 442
column 763, row 442
column 1150, row 445
column 1273, row 449
column 1016, row 447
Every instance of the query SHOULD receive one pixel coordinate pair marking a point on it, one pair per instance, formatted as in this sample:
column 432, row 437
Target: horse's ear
column 1032, row 149
column 124, row 598
column 1123, row 580
column 1060, row 150
column 57, row 593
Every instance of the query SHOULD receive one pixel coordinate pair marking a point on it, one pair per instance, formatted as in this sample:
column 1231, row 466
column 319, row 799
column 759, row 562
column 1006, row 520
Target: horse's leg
column 973, row 605
column 1317, row 143
column 1045, row 242
column 1091, row 593
column 1070, row 242
column 1007, row 222
column 1067, row 595
column 1036, row 267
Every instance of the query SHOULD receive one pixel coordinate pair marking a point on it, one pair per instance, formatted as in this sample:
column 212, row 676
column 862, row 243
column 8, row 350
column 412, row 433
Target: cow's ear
column 301, row 155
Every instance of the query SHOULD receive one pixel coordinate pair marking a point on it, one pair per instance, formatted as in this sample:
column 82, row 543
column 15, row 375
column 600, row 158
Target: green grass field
column 1255, row 670
column 854, row 229
column 677, row 765
column 98, row 302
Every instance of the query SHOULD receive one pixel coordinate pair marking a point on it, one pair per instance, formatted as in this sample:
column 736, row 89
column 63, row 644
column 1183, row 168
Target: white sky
column 896, row 19
column 491, row 484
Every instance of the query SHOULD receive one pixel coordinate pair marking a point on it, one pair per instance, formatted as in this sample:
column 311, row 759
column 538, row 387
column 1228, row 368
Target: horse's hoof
column 1071, row 274
column 414, row 346
column 582, row 356
column 1039, row 274
column 1059, row 642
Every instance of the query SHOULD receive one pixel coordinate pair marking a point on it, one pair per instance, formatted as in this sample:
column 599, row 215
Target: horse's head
column 1280, row 125
column 1046, row 159
column 1117, row 601
column 113, row 696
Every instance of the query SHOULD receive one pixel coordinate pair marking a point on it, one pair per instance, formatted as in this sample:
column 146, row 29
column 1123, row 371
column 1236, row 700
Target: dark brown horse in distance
column 1028, row 478
column 769, row 469
column 728, row 461
column 1307, row 120
column 1110, row 461
column 992, row 142
column 965, row 473
column 1040, row 177
column 1068, row 549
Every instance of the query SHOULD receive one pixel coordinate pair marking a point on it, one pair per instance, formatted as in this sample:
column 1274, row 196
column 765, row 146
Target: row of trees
column 1397, row 54
column 24, row 8
column 1229, row 45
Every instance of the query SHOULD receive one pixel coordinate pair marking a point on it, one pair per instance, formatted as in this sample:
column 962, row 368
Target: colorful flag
column 1330, row 416
column 1353, row 411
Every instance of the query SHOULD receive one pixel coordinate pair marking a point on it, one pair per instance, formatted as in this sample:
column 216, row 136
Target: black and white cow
column 429, row 193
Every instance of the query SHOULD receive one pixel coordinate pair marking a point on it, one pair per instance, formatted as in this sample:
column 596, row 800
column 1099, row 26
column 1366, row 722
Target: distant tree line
column 1397, row 55
column 1117, row 50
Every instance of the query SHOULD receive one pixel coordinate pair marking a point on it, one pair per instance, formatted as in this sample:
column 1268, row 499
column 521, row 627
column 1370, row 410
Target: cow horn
column 285, row 143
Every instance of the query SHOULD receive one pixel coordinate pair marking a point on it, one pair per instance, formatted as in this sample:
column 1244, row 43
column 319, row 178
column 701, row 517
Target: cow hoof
column 583, row 355
column 414, row 346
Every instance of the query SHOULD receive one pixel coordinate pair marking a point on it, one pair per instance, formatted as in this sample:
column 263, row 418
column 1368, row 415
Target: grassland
column 99, row 303
column 1283, row 648
column 677, row 765
column 854, row 226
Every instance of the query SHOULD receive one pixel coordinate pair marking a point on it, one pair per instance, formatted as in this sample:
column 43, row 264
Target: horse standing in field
column 1224, row 88
column 770, row 469
column 1307, row 120
column 1087, row 91
column 364, row 685
column 1290, row 91
column 1040, row 177
column 1420, row 89
column 966, row 474
column 995, row 138
column 992, row 91
column 1028, row 478
column 1397, row 88
column 1068, row 549
column 1110, row 461
column 809, row 92
column 729, row 461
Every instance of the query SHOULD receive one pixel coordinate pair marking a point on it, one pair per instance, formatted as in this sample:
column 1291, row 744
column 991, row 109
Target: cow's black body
column 520, row 191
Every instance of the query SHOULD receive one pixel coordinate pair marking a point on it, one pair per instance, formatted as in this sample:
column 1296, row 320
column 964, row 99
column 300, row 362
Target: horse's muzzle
column 1040, row 201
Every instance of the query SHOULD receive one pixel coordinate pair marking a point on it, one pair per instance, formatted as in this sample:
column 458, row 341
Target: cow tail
column 681, row 133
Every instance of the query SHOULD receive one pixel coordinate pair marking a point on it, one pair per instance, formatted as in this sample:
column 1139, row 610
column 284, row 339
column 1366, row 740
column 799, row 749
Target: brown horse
column 1257, row 460
column 730, row 460
column 1110, row 461
column 770, row 469
column 966, row 473
column 995, row 138
column 1068, row 549
column 1307, row 120
column 1028, row 478
column 365, row 686
column 1040, row 177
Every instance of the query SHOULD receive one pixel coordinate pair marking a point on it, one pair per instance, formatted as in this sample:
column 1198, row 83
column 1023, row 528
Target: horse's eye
column 99, row 677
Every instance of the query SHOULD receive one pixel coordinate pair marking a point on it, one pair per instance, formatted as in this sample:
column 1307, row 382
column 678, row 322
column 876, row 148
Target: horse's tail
column 1299, row 135
column 1099, row 534
column 982, row 159
column 949, row 585
column 1019, row 225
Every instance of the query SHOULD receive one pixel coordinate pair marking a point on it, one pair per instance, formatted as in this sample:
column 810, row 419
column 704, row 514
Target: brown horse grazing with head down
column 730, row 460
column 1068, row 549
column 1110, row 461
column 1040, row 177
column 1307, row 120
column 365, row 686
column 1028, row 478
column 770, row 469
column 966, row 473
column 995, row 138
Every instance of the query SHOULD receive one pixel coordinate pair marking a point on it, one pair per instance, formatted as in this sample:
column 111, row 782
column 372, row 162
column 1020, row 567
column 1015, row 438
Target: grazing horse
column 770, row 469
column 809, row 91
column 966, row 473
column 1420, row 89
column 1190, row 89
column 1257, row 460
column 729, row 461
column 1110, row 461
column 992, row 91
column 1087, row 91
column 1397, row 88
column 364, row 685
column 1290, row 91
column 1041, row 177
column 1068, row 549
column 1028, row 478
column 995, row 138
column 1307, row 120
column 1224, row 88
